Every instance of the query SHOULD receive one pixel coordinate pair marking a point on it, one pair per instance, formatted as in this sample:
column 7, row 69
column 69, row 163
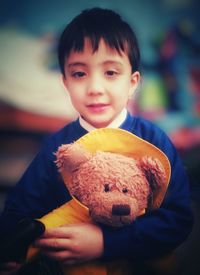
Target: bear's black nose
column 121, row 210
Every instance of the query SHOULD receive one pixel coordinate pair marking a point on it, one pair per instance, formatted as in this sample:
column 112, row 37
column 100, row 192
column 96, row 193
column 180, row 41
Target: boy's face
column 99, row 83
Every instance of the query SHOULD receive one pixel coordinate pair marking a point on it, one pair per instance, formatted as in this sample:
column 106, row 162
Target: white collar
column 114, row 124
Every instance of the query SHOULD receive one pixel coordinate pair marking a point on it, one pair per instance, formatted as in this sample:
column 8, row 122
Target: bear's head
column 115, row 188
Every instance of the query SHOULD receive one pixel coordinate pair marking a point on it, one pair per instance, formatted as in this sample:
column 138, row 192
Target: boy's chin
column 100, row 124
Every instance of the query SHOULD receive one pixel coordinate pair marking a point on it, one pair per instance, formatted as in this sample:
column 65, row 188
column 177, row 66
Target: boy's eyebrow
column 112, row 62
column 74, row 64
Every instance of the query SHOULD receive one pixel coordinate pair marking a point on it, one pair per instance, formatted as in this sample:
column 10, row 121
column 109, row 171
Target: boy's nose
column 95, row 86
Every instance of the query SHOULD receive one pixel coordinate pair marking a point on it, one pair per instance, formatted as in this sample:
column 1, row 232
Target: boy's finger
column 62, row 255
column 54, row 243
column 58, row 232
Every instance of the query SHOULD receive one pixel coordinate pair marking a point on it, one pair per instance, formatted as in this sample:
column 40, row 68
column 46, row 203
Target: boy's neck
column 114, row 124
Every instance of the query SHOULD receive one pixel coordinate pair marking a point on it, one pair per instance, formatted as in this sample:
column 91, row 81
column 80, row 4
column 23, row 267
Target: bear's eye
column 125, row 190
column 106, row 187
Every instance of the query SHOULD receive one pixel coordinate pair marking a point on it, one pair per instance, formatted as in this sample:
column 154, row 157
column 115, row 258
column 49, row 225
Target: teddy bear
column 113, row 177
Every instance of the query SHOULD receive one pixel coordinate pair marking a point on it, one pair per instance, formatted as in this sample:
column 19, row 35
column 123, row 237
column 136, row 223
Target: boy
column 99, row 60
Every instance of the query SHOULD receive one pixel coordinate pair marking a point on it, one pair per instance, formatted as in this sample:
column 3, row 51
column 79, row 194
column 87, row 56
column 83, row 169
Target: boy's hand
column 72, row 244
column 9, row 268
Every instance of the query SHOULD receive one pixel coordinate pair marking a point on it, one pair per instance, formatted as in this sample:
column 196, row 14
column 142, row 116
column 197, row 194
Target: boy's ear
column 135, row 80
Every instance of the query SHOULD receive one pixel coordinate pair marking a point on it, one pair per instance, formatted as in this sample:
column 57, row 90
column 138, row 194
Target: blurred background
column 34, row 103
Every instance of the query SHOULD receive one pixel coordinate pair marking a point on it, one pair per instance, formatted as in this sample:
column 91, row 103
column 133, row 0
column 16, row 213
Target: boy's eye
column 78, row 74
column 111, row 73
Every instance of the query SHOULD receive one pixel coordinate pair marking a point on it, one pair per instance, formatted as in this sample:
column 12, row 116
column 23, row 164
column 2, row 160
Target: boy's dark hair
column 97, row 23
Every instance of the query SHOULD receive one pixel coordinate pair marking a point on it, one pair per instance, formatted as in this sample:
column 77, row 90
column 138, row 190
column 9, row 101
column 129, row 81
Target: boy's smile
column 97, row 107
column 99, row 83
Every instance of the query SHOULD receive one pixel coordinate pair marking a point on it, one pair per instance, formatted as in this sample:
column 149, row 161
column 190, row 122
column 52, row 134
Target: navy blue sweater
column 41, row 190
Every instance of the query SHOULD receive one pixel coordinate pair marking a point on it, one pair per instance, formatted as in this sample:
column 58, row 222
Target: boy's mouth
column 97, row 107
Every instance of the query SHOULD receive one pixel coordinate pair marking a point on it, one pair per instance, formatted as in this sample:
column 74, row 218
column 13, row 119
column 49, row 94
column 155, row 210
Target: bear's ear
column 155, row 175
column 70, row 156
